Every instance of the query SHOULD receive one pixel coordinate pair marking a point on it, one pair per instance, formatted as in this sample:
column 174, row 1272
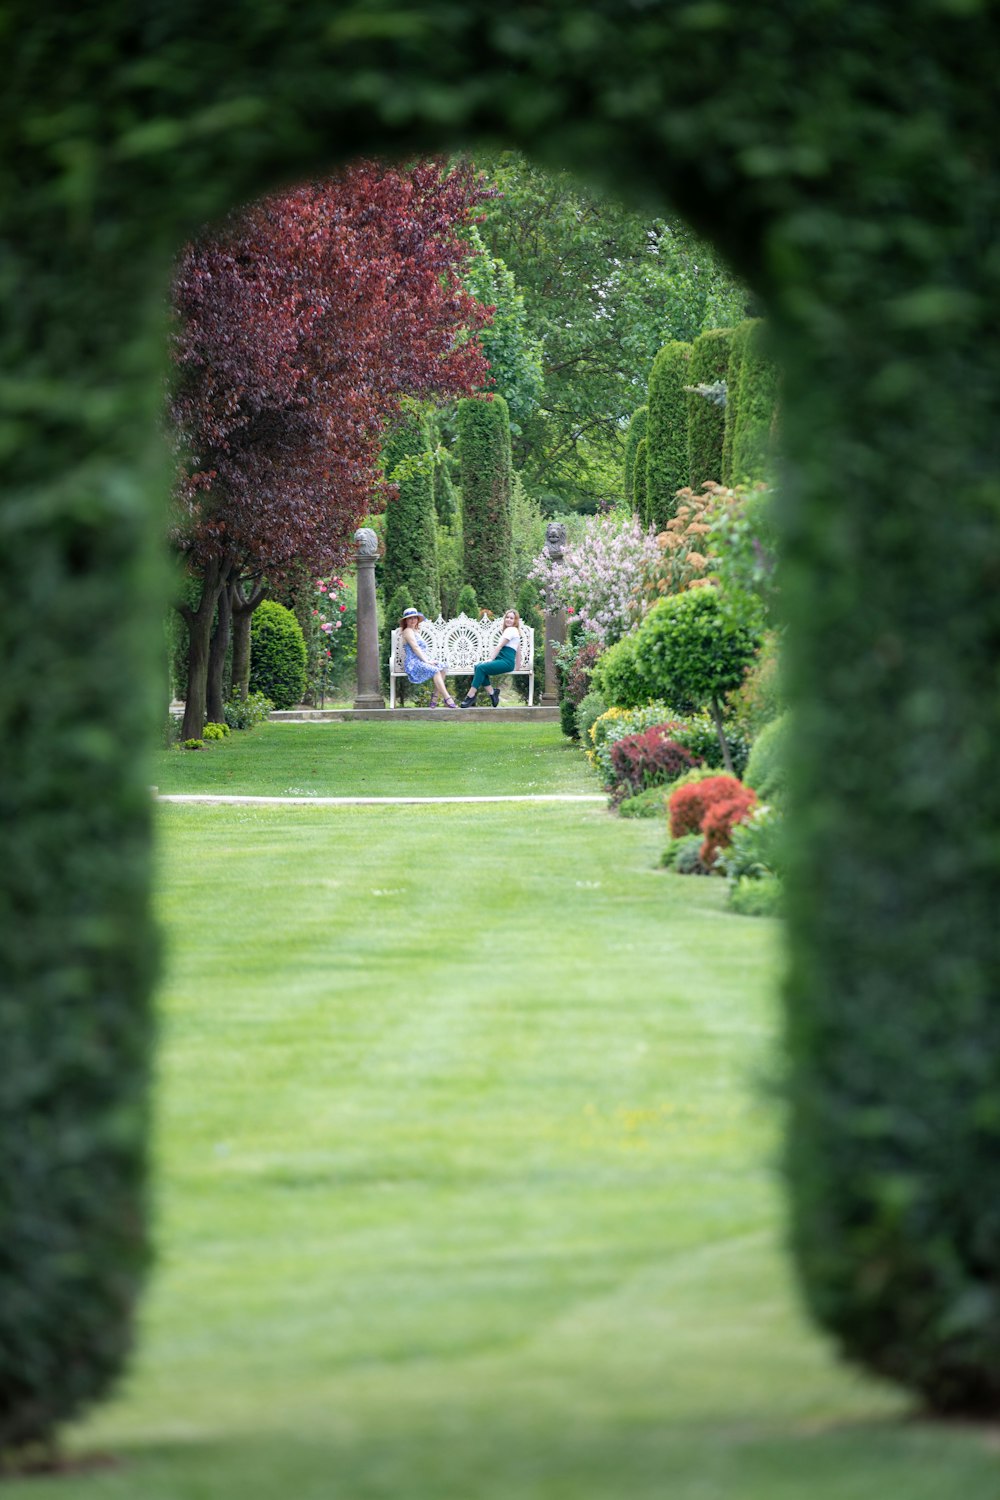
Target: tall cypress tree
column 706, row 413
column 756, row 406
column 410, row 522
column 666, row 431
column 640, row 497
column 737, row 349
column 484, row 452
column 636, row 432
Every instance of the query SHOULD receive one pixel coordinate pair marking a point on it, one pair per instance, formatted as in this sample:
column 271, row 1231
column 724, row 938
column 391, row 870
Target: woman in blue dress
column 419, row 667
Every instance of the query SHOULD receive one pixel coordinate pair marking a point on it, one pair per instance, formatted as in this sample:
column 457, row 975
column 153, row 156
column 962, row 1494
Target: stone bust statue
column 367, row 542
column 555, row 540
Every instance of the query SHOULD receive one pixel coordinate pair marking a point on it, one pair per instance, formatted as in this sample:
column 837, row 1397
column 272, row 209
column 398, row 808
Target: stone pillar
column 555, row 634
column 555, row 619
column 369, row 689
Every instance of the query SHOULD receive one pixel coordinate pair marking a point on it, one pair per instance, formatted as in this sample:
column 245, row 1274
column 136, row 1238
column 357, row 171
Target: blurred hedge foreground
column 844, row 160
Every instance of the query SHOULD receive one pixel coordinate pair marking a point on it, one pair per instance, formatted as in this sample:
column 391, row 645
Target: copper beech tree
column 301, row 322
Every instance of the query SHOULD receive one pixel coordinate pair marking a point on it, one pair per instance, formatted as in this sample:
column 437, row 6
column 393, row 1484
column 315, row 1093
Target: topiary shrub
column 650, row 758
column 737, row 349
column 278, row 655
column 587, row 713
column 618, row 678
column 706, row 409
column 410, row 559
column 484, row 453
column 754, row 423
column 767, row 770
column 567, row 717
column 636, row 432
column 640, row 484
column 689, row 648
column 667, row 463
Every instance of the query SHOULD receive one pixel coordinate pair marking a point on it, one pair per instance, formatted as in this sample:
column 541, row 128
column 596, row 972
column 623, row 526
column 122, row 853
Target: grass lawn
column 465, row 1183
column 334, row 758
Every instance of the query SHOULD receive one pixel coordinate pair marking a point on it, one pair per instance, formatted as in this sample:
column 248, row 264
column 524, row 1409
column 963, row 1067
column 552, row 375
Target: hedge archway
column 844, row 165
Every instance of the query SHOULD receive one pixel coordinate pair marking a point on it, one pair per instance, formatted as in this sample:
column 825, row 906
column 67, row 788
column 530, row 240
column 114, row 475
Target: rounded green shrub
column 278, row 655
column 245, row 713
column 618, row 678
column 757, row 898
column 214, row 731
column 589, row 710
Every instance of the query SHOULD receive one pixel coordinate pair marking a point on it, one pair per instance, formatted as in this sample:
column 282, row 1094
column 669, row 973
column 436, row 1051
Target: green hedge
column 636, row 431
column 667, row 463
column 737, row 349
column 756, row 407
column 278, row 655
column 484, row 453
column 706, row 417
column 865, row 230
column 410, row 518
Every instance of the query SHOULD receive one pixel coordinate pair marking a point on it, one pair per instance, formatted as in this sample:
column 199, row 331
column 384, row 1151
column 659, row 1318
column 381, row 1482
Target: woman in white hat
column 419, row 667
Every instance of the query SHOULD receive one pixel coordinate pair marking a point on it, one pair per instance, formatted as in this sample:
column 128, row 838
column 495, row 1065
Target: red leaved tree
column 301, row 322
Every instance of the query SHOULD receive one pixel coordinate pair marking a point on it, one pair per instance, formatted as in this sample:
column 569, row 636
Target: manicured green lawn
column 339, row 758
column 465, row 1179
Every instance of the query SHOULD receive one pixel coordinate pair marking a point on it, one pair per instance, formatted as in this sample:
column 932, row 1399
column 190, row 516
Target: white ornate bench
column 461, row 643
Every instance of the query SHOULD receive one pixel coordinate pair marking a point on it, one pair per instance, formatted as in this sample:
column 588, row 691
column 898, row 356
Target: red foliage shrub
column 650, row 758
column 711, row 807
column 721, row 816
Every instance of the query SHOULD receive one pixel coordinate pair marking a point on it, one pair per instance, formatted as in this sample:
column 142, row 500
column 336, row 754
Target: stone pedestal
column 369, row 689
column 555, row 634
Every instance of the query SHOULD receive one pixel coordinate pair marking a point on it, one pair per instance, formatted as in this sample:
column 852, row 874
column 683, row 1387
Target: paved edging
column 223, row 799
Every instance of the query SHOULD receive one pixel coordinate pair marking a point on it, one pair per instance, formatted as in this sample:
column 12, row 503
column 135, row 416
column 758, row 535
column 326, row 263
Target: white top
column 511, row 637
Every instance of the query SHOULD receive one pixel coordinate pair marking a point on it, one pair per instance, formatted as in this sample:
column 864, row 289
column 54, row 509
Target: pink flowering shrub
column 602, row 579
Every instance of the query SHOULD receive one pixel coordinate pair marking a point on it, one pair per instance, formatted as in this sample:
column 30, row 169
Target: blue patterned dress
column 416, row 669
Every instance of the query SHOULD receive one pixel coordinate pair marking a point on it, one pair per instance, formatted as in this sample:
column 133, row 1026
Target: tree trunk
column 720, row 731
column 199, row 624
column 242, row 606
column 215, row 696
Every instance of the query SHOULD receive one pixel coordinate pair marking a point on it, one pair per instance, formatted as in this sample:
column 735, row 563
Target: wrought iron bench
column 461, row 643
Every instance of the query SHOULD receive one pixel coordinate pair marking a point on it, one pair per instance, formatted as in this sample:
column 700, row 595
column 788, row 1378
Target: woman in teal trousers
column 508, row 648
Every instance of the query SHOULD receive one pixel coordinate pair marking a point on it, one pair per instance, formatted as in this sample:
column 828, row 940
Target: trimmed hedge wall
column 484, row 453
column 667, row 461
column 864, row 229
column 756, row 407
column 707, row 418
column 636, row 431
column 410, row 519
column 737, row 349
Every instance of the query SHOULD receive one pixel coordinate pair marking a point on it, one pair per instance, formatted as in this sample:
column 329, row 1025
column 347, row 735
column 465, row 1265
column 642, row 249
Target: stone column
column 555, row 619
column 555, row 634
column 369, row 689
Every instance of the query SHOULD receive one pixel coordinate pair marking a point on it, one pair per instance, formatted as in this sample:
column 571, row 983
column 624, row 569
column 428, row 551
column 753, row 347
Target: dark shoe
column 495, row 697
column 467, row 703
